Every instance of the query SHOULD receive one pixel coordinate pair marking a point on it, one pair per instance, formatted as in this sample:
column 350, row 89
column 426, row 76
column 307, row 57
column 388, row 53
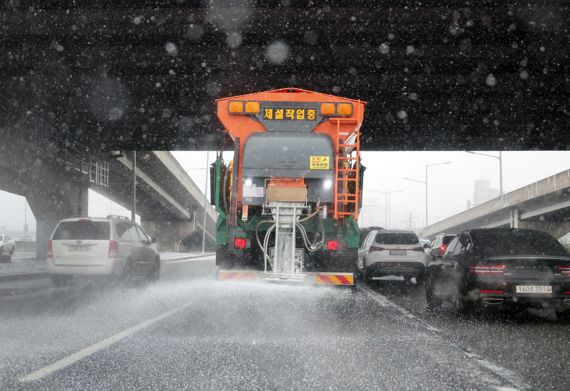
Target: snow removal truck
column 289, row 201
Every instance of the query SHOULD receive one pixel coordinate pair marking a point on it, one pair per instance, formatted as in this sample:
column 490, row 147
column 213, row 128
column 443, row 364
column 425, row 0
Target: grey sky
column 450, row 186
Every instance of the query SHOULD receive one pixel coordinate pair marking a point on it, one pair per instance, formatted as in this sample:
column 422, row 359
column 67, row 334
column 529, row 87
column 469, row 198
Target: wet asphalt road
column 191, row 332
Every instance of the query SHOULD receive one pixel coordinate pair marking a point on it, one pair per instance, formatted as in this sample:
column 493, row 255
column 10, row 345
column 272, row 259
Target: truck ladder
column 347, row 163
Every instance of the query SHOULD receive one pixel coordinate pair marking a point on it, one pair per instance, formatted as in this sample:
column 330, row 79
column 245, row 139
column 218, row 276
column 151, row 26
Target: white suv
column 392, row 253
column 112, row 246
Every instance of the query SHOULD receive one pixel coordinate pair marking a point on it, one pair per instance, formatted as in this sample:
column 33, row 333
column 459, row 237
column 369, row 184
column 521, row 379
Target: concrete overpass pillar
column 54, row 202
column 168, row 234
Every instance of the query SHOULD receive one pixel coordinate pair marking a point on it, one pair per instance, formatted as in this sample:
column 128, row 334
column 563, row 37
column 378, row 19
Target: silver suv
column 112, row 246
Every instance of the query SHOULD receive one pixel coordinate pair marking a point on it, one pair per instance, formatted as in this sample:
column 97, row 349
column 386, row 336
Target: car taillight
column 50, row 249
column 332, row 245
column 240, row 243
column 564, row 270
column 113, row 249
column 442, row 249
column 487, row 270
column 375, row 248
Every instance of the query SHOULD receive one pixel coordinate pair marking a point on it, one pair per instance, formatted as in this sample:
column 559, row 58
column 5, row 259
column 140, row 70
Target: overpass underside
column 143, row 75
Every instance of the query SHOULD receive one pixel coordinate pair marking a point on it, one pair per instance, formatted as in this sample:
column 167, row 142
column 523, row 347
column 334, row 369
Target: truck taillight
column 240, row 243
column 376, row 248
column 487, row 270
column 113, row 249
column 332, row 245
column 50, row 249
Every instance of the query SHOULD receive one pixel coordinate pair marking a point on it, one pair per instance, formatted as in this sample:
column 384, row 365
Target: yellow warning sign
column 319, row 162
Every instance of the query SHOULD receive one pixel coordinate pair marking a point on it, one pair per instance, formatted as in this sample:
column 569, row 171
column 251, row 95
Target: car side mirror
column 435, row 252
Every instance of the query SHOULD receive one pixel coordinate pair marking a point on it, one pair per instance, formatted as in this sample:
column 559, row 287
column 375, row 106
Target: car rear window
column 447, row 239
column 396, row 238
column 497, row 243
column 83, row 229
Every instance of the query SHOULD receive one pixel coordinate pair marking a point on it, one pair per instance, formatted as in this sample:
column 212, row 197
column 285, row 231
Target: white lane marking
column 103, row 344
column 385, row 302
column 503, row 373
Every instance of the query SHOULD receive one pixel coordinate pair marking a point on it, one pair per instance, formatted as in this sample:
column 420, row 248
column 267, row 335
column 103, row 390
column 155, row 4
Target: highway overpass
column 55, row 181
column 543, row 205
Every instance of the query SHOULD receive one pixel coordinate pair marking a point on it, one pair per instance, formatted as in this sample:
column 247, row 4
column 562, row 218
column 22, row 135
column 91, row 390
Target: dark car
column 492, row 267
column 441, row 241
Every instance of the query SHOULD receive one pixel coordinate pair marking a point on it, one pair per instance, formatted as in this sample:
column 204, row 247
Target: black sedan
column 493, row 267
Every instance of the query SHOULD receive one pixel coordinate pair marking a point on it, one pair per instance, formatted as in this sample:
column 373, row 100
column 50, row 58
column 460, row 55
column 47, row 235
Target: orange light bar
column 236, row 107
column 344, row 108
column 252, row 107
column 328, row 109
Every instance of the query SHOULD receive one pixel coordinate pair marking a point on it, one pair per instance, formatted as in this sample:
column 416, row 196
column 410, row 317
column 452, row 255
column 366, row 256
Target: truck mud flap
column 310, row 278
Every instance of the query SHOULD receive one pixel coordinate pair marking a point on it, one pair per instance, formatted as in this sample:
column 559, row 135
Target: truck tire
column 222, row 260
column 346, row 263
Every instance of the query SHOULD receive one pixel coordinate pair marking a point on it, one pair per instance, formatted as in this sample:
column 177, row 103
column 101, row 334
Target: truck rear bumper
column 308, row 278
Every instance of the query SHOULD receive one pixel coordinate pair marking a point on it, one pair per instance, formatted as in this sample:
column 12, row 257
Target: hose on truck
column 311, row 247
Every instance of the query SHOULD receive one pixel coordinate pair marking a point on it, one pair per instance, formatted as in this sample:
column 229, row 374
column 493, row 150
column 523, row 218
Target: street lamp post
column 205, row 203
column 426, row 185
column 134, row 168
column 500, row 158
column 386, row 202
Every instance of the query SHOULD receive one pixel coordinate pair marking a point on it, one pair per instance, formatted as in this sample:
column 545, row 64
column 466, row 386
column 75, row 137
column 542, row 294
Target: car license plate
column 398, row 252
column 534, row 289
column 79, row 249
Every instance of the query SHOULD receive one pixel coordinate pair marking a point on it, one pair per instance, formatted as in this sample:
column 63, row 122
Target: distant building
column 483, row 192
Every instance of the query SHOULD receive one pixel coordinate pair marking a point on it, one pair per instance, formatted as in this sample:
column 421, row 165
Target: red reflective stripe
column 343, row 280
